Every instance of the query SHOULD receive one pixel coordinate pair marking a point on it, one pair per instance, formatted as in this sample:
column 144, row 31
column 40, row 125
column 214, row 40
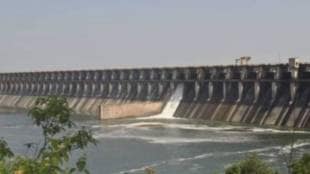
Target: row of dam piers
column 273, row 95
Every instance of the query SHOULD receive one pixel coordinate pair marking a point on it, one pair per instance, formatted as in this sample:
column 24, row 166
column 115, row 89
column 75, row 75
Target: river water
column 170, row 146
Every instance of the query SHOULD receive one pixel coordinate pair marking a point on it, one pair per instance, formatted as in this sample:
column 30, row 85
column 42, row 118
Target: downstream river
column 170, row 146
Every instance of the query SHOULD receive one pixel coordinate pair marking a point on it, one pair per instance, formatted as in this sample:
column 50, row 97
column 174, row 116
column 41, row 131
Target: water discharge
column 171, row 106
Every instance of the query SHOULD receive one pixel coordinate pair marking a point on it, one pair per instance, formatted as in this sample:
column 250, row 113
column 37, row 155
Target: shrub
column 251, row 165
column 53, row 116
column 302, row 166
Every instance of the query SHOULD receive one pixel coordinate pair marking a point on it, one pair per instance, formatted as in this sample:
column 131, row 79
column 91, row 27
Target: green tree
column 250, row 165
column 302, row 166
column 60, row 138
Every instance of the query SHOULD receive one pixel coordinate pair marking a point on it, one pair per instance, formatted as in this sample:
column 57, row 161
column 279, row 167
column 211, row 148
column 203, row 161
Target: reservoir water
column 170, row 146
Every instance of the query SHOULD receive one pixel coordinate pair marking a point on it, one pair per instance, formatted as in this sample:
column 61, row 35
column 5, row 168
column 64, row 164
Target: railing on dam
column 258, row 94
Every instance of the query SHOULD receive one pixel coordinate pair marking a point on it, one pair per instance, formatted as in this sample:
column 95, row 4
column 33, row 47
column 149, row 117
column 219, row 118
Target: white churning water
column 171, row 105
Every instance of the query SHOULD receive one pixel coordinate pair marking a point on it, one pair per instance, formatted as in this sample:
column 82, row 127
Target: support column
column 149, row 91
column 243, row 75
column 119, row 90
column 163, row 74
column 210, row 90
column 187, row 74
column 275, row 84
column 110, row 89
column 293, row 68
column 27, row 88
column 139, row 88
column 128, row 89
column 228, row 74
column 78, row 89
column 16, row 87
column 32, row 91
column 256, row 90
column 101, row 89
column 293, row 89
column 86, row 89
column 175, row 73
column 11, row 89
column 197, row 89
column 54, row 87
column 200, row 74
column 240, row 90
column 160, row 89
column 172, row 85
column 22, row 87
column 4, row 87
column 257, row 84
column 46, row 88
column 38, row 86
column 94, row 87
column 213, row 73
column 141, row 75
column 224, row 91
column 274, row 89
column 70, row 89
column 63, row 89
column 1, row 86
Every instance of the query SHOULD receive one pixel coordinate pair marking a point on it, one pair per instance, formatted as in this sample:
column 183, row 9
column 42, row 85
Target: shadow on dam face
column 272, row 95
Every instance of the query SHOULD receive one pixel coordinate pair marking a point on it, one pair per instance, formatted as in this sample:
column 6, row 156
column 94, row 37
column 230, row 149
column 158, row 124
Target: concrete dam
column 272, row 95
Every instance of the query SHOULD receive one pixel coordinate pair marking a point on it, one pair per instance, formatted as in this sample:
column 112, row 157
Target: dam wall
column 272, row 95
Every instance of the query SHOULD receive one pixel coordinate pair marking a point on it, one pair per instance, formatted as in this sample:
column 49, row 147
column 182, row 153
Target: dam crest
column 273, row 95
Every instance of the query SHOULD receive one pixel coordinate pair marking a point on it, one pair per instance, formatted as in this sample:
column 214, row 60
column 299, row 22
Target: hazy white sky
column 97, row 34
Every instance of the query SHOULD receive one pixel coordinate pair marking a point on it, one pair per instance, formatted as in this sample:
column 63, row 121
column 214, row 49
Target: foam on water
column 141, row 131
column 287, row 148
column 256, row 129
column 208, row 155
column 140, row 124
column 181, row 126
column 134, row 170
column 121, row 134
column 165, row 162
